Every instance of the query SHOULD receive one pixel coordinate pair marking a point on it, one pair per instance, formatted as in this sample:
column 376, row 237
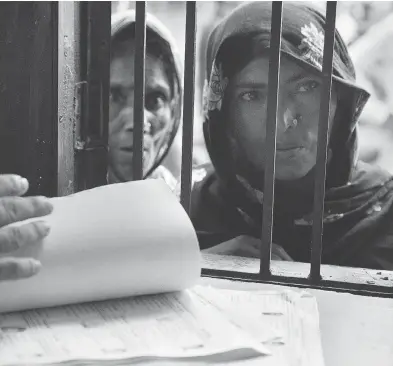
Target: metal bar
column 139, row 91
column 91, row 143
column 271, row 132
column 54, row 191
column 188, row 110
column 319, row 189
column 69, row 75
column 327, row 285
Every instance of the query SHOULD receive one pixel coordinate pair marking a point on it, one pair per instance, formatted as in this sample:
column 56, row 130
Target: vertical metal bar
column 139, row 89
column 55, row 99
column 69, row 75
column 188, row 111
column 319, row 189
column 91, row 143
column 271, row 132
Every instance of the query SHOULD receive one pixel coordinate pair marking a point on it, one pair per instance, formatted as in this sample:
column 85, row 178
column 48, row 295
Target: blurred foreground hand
column 14, row 208
column 247, row 246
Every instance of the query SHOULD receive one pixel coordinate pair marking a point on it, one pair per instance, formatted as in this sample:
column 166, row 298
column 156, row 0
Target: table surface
column 355, row 330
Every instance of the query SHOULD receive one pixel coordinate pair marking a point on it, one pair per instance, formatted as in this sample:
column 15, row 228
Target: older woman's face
column 158, row 112
column 299, row 98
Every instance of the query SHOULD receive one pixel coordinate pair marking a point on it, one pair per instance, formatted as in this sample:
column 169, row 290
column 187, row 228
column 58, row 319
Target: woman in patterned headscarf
column 227, row 202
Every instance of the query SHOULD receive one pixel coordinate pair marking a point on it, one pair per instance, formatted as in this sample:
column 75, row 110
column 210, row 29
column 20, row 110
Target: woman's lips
column 147, row 145
column 289, row 152
column 289, row 148
column 128, row 152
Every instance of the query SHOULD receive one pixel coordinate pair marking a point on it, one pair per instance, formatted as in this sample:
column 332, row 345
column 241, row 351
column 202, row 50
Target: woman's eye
column 308, row 86
column 250, row 96
column 117, row 96
column 154, row 101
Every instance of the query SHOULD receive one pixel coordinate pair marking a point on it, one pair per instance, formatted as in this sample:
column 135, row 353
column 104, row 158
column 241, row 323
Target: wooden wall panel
column 28, row 93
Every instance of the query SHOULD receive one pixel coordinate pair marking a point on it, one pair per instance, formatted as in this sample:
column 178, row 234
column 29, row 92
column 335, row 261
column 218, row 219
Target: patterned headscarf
column 302, row 42
column 228, row 203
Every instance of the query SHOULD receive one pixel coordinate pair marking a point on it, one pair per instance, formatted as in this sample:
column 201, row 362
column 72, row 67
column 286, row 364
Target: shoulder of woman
column 209, row 211
column 199, row 175
column 202, row 178
column 163, row 173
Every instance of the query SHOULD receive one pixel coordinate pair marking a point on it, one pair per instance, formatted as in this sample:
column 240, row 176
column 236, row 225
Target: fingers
column 18, row 268
column 246, row 246
column 13, row 209
column 275, row 257
column 15, row 237
column 13, row 185
column 278, row 253
column 218, row 249
column 241, row 246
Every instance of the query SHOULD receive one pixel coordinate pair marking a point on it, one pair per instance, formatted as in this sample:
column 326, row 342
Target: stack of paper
column 117, row 287
column 286, row 322
column 175, row 326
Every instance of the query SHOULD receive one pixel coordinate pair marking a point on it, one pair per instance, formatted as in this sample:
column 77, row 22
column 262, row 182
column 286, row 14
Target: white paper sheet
column 287, row 322
column 176, row 325
column 110, row 242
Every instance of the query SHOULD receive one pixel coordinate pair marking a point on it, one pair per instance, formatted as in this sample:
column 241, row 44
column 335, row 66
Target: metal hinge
column 79, row 92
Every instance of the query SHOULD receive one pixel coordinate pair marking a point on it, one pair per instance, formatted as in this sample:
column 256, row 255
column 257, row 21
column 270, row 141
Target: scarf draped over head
column 352, row 187
column 121, row 21
column 302, row 42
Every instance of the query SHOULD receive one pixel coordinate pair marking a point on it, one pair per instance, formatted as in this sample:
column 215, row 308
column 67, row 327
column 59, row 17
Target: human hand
column 247, row 246
column 14, row 209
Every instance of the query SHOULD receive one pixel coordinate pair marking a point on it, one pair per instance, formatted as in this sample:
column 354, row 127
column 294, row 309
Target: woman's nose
column 128, row 118
column 286, row 117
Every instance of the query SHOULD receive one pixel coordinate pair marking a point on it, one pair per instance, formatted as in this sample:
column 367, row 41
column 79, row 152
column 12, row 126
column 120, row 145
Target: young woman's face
column 299, row 98
column 158, row 112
